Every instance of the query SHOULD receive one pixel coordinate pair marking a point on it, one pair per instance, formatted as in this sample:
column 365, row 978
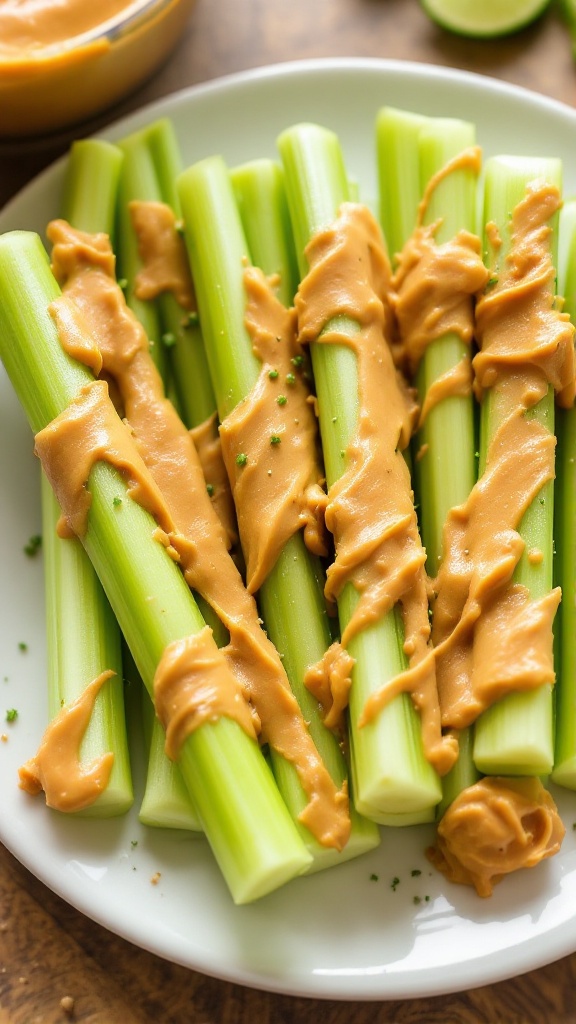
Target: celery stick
column 243, row 816
column 94, row 173
column 515, row 736
column 261, row 197
column 393, row 782
column 564, row 772
column 411, row 150
column 291, row 598
column 83, row 639
column 151, row 166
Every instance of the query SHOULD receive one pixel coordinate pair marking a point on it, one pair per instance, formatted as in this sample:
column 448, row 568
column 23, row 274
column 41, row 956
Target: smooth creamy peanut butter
column 29, row 26
column 69, row 784
column 195, row 530
column 491, row 637
column 206, row 439
column 370, row 509
column 188, row 690
column 270, row 441
column 165, row 266
column 494, row 827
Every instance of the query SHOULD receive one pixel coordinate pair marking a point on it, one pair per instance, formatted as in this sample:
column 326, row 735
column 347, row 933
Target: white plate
column 343, row 934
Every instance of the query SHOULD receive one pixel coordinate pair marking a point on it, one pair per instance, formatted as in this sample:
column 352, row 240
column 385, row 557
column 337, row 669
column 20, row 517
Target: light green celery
column 393, row 782
column 243, row 816
column 261, row 198
column 151, row 166
column 166, row 802
column 291, row 598
column 90, row 193
column 564, row 772
column 411, row 151
column 515, row 736
column 83, row 639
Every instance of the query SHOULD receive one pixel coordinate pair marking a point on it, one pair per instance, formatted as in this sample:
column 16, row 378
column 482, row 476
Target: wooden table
column 47, row 949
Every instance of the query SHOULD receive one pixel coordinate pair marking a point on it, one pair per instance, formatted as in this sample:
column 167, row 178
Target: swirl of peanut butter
column 491, row 637
column 494, row 827
column 194, row 529
column 370, row 509
column 69, row 784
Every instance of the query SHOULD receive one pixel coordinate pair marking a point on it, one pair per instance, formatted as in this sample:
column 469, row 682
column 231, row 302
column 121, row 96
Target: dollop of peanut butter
column 193, row 530
column 370, row 509
column 494, row 827
column 69, row 784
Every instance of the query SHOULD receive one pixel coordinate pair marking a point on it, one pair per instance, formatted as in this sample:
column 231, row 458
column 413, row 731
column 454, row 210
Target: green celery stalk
column 564, row 773
column 515, row 736
column 393, row 782
column 411, row 150
column 83, row 639
column 291, row 598
column 261, row 197
column 151, row 166
column 242, row 814
column 95, row 172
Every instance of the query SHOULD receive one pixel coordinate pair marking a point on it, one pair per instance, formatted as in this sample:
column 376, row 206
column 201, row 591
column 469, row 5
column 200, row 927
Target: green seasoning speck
column 241, row 459
column 416, row 873
column 394, row 883
column 122, row 283
column 297, row 361
column 22, row 646
column 133, row 843
column 11, row 715
column 273, row 374
column 210, row 489
column 290, row 378
column 373, row 878
column 33, row 545
column 275, row 439
column 191, row 320
column 116, row 501
column 417, row 900
column 281, row 399
column 169, row 339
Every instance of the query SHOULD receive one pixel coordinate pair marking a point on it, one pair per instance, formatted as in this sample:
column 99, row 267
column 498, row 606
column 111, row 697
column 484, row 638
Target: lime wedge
column 484, row 18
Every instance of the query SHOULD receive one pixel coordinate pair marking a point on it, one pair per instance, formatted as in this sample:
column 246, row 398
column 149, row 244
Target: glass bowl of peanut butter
column 64, row 61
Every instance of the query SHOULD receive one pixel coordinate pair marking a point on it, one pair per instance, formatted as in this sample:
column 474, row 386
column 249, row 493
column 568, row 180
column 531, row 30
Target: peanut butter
column 69, row 784
column 494, row 827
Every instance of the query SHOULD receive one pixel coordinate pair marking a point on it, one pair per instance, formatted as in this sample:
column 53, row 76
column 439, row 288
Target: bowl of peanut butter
column 63, row 61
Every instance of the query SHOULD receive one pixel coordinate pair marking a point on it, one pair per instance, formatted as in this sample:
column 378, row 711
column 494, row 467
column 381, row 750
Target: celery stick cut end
column 169, row 816
column 112, row 803
column 564, row 774
column 402, row 820
column 365, row 836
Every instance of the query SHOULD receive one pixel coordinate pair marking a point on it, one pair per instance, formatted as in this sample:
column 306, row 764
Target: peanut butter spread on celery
column 270, row 441
column 165, row 268
column 495, row 827
column 433, row 291
column 195, row 533
column 370, row 509
column 69, row 784
column 491, row 636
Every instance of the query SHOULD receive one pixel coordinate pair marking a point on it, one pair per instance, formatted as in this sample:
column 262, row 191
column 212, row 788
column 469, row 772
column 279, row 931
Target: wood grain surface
column 55, row 964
